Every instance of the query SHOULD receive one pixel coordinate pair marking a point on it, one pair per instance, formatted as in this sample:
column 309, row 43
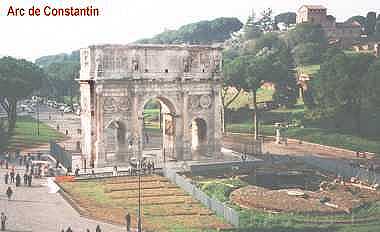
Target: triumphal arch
column 116, row 81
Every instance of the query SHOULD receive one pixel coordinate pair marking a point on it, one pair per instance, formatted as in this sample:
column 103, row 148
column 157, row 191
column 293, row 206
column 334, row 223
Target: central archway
column 159, row 128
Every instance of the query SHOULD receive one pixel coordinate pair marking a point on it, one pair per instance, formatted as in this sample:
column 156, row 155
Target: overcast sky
column 125, row 21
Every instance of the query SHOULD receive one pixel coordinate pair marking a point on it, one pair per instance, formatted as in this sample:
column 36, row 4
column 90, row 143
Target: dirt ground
column 344, row 199
column 165, row 206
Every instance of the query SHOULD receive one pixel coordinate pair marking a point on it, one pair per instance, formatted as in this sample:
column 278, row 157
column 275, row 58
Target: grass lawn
column 25, row 134
column 315, row 135
column 309, row 69
column 246, row 98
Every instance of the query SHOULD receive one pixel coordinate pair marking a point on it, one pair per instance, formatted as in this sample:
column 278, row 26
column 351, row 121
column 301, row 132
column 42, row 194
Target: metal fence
column 343, row 168
column 220, row 209
column 61, row 155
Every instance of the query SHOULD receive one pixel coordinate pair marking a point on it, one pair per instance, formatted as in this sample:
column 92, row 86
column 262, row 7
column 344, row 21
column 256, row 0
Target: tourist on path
column 69, row 229
column 98, row 229
column 25, row 178
column 12, row 176
column 6, row 178
column 30, row 180
column 18, row 180
column 6, row 164
column 9, row 193
column 128, row 222
column 3, row 219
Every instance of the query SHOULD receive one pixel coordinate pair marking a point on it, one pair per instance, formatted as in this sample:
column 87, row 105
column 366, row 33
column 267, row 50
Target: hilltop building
column 343, row 33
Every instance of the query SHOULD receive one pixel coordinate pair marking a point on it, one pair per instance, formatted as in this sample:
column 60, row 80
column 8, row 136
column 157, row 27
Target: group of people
column 97, row 229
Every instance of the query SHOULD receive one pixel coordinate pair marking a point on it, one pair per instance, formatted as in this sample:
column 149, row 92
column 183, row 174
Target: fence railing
column 220, row 209
column 61, row 155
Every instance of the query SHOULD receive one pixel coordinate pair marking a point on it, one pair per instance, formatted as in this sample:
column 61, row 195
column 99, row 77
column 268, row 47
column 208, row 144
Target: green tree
column 377, row 29
column 338, row 89
column 307, row 33
column 61, row 77
column 252, row 28
column 3, row 136
column 18, row 79
column 373, row 85
column 370, row 23
column 358, row 18
column 288, row 18
column 307, row 53
column 203, row 32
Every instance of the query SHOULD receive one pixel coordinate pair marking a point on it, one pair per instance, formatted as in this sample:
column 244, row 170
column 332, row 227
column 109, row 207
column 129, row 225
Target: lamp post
column 38, row 116
column 139, row 166
column 139, row 216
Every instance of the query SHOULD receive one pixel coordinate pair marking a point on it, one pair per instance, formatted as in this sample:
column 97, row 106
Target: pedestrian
column 77, row 171
column 67, row 132
column 1, row 163
column 20, row 160
column 6, row 178
column 18, row 180
column 128, row 221
column 3, row 219
column 12, row 176
column 146, row 138
column 57, row 164
column 6, row 164
column 114, row 172
column 30, row 180
column 98, row 229
column 57, row 127
column 9, row 192
column 25, row 178
column 69, row 229
column 88, row 230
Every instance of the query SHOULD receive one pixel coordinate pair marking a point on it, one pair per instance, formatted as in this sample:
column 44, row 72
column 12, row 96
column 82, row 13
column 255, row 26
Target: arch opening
column 198, row 134
column 158, row 133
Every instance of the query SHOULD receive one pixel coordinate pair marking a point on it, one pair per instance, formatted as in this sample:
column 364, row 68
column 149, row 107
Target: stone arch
column 199, row 135
column 169, row 134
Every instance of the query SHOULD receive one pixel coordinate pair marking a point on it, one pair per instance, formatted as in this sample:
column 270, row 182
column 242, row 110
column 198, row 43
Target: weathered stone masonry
column 117, row 81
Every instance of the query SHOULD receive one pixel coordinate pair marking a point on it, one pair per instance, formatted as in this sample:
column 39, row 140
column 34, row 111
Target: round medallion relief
column 205, row 101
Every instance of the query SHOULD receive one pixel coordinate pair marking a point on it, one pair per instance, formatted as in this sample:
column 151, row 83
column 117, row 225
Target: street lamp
column 139, row 166
column 38, row 116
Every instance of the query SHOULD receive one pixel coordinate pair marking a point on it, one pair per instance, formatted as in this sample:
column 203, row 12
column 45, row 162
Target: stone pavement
column 34, row 209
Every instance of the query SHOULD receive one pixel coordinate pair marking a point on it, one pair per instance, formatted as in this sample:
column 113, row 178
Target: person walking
column 128, row 221
column 3, row 219
column 30, row 180
column 25, row 178
column 18, row 180
column 98, row 229
column 12, row 176
column 69, row 229
column 9, row 192
column 6, row 177
column 6, row 164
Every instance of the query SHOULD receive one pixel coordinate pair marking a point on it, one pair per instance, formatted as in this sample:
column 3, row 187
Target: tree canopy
column 287, row 18
column 18, row 79
column 203, row 32
column 339, row 88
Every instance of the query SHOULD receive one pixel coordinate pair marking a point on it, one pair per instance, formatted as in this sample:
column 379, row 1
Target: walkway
column 34, row 209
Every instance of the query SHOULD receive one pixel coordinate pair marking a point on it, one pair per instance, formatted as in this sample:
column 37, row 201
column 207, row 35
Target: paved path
column 34, row 209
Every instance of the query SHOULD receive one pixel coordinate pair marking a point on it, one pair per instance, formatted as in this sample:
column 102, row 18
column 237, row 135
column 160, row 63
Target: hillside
column 203, row 32
column 45, row 61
